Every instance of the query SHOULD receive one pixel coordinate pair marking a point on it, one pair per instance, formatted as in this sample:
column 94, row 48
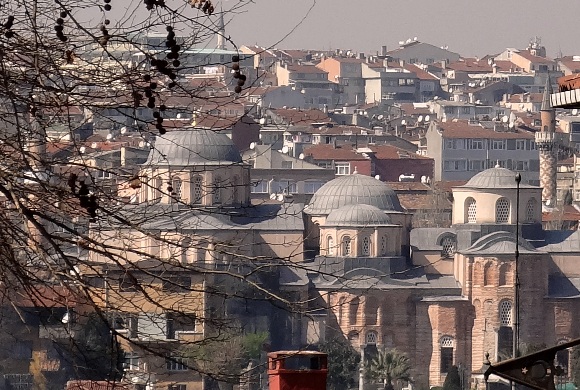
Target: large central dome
column 193, row 147
column 352, row 190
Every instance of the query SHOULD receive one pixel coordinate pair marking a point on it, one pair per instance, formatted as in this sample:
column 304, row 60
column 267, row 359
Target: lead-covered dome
column 495, row 178
column 357, row 215
column 351, row 190
column 193, row 147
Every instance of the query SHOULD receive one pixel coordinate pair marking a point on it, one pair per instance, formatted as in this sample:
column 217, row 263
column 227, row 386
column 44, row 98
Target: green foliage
column 388, row 366
column 253, row 344
column 452, row 380
column 343, row 363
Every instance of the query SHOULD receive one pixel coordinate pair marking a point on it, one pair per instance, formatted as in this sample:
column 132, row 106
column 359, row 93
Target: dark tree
column 452, row 380
column 343, row 363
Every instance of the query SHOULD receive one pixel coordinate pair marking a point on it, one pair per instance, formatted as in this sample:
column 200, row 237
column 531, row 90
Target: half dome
column 352, row 190
column 193, row 147
column 357, row 215
column 495, row 178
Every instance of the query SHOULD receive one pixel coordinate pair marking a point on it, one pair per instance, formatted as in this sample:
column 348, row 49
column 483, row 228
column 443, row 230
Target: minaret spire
column 546, row 140
column 221, row 33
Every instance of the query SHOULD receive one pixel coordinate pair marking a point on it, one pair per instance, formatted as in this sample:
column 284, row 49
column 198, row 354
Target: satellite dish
column 378, row 177
column 141, row 144
column 504, row 119
column 424, row 179
column 262, row 121
column 94, row 145
column 285, row 149
column 301, row 157
column 109, row 137
column 427, row 118
column 280, row 197
column 380, row 117
column 123, row 130
column 66, row 318
column 575, row 111
column 252, row 145
column 82, row 149
column 444, row 119
column 403, row 122
column 273, row 196
column 420, row 119
column 178, row 116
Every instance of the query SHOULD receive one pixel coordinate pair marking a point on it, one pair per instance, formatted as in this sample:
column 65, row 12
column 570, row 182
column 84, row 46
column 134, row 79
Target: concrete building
column 413, row 51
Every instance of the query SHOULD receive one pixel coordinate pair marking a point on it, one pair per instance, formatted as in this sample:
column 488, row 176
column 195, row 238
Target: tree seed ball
column 107, row 7
column 237, row 75
column 60, row 21
column 159, row 120
column 162, row 107
column 153, row 85
column 171, row 85
column 147, row 77
column 156, row 114
column 240, row 82
column 162, row 131
column 238, row 89
column 107, row 22
column 235, row 58
column 176, row 63
column 151, row 104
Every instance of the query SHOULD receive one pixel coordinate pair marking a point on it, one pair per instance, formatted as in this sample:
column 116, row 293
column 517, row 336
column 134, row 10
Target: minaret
column 546, row 142
column 221, row 33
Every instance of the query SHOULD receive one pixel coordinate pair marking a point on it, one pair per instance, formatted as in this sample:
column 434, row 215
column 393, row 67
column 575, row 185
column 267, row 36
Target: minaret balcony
column 568, row 95
column 544, row 137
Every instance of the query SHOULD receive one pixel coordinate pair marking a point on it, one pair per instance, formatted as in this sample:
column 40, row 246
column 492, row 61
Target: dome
column 495, row 178
column 351, row 190
column 193, row 147
column 357, row 215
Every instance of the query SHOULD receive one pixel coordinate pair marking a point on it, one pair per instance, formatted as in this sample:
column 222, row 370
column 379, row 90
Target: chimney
column 444, row 64
column 402, row 62
column 123, row 156
column 361, row 56
column 494, row 68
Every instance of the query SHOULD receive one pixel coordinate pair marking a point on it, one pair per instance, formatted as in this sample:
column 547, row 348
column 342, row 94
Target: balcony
column 568, row 95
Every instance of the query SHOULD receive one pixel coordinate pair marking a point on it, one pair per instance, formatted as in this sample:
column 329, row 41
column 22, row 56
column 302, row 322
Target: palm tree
column 389, row 365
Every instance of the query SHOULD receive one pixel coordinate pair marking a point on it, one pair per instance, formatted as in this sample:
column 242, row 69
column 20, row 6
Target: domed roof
column 353, row 189
column 193, row 147
column 357, row 215
column 495, row 178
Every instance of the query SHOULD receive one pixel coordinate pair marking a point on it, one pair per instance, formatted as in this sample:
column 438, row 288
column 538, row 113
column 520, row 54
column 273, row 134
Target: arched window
column 531, row 210
column 505, row 313
column 217, row 190
column 185, row 245
column 383, row 245
column 366, row 246
column 505, row 335
column 330, row 246
column 346, row 246
column 371, row 338
column 448, row 247
column 446, row 348
column 487, row 274
column 503, row 274
column 177, row 185
column 502, row 210
column 371, row 311
column 353, row 311
column 470, row 210
column 563, row 357
column 197, row 190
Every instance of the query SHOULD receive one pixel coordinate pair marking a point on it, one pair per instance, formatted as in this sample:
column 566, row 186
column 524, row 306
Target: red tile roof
column 329, row 152
column 535, row 59
column 305, row 69
column 421, row 74
column 301, row 117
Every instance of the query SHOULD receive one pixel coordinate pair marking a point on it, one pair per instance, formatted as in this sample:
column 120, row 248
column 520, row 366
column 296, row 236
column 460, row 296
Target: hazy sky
column 468, row 27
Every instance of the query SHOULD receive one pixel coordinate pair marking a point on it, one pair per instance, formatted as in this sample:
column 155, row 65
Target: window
column 455, row 143
column 455, row 165
column 197, row 190
column 180, row 323
column 181, row 284
column 176, row 183
column 353, row 311
column 502, row 211
column 471, row 210
column 383, row 245
column 310, row 187
column 217, row 189
column 342, row 168
column 178, row 386
column 476, row 144
column 366, row 246
column 286, row 164
column 498, row 144
column 446, row 347
column 125, row 323
column 132, row 361
column 505, row 313
column 520, row 144
column 531, row 210
column 476, row 165
column 330, row 245
column 176, row 363
column 466, row 110
column 401, row 82
column 520, row 165
column 448, row 247
column 284, row 187
column 260, row 187
column 346, row 246
column 128, row 283
column 371, row 338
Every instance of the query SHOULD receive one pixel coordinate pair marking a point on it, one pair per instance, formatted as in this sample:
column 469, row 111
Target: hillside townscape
column 177, row 205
